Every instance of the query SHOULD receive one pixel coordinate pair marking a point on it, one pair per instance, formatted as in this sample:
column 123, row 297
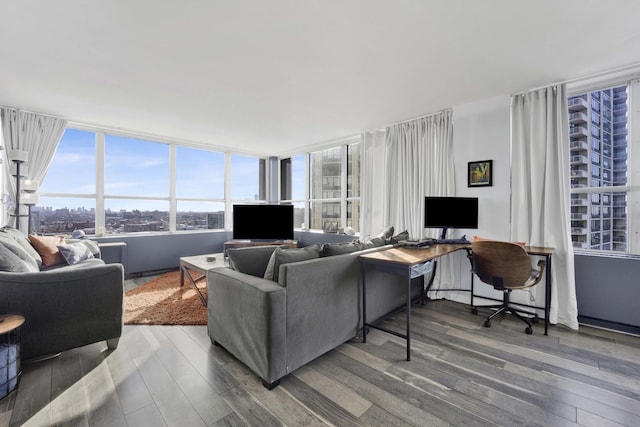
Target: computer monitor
column 450, row 212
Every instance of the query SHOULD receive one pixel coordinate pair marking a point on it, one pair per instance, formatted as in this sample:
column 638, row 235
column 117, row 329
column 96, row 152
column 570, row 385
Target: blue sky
column 141, row 169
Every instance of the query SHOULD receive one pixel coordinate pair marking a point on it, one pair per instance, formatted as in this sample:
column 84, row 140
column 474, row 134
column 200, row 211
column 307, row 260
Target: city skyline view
column 137, row 168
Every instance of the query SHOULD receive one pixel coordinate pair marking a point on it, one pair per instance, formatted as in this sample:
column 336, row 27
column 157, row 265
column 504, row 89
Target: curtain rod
column 414, row 118
column 632, row 67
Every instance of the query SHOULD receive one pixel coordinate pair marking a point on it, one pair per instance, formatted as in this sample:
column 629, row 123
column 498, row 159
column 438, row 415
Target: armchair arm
column 247, row 317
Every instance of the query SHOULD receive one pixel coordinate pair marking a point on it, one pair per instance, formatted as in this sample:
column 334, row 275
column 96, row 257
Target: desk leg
column 408, row 317
column 181, row 275
column 364, row 303
column 547, row 296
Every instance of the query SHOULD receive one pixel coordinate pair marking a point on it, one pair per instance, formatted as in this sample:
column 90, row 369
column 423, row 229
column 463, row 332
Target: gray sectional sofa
column 313, row 306
column 64, row 306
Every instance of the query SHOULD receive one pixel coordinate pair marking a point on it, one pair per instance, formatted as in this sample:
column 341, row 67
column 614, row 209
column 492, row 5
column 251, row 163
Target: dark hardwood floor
column 460, row 374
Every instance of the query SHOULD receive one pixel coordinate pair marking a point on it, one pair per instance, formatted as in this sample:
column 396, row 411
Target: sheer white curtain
column 540, row 185
column 419, row 163
column 36, row 134
column 373, row 176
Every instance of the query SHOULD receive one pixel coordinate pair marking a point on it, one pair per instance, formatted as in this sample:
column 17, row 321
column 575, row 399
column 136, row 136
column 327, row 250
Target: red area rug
column 162, row 301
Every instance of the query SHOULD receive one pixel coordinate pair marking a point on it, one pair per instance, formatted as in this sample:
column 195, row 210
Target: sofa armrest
column 65, row 307
column 247, row 316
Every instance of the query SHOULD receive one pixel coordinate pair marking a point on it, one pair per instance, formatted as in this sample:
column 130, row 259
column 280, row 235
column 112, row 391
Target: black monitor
column 450, row 212
column 263, row 222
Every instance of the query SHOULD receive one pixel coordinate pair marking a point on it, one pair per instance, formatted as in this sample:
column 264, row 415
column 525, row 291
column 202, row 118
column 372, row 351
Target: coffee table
column 199, row 265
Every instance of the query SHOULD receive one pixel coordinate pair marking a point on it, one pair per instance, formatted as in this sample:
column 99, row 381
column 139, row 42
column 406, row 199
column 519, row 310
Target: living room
column 145, row 76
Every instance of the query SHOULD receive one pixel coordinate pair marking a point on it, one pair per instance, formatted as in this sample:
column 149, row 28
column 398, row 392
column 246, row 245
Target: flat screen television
column 450, row 212
column 263, row 222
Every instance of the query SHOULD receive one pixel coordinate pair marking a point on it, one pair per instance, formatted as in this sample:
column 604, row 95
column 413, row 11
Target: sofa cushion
column 13, row 258
column 284, row 256
column 330, row 249
column 73, row 253
column 47, row 247
column 251, row 260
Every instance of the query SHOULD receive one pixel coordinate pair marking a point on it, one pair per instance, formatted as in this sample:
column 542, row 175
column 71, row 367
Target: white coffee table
column 199, row 265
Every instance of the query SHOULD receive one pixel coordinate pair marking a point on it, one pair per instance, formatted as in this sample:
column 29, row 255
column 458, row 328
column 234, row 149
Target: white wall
column 481, row 131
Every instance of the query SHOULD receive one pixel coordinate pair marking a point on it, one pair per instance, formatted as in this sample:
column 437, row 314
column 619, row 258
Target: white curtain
column 419, row 163
column 373, row 176
column 540, row 190
column 36, row 134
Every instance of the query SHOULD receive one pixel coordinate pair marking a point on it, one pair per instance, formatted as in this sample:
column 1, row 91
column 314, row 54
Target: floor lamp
column 30, row 198
column 18, row 157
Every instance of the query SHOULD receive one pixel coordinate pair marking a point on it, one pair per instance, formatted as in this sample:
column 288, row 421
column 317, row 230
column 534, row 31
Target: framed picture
column 480, row 173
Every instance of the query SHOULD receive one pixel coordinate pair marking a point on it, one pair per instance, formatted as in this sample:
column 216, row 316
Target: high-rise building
column 598, row 133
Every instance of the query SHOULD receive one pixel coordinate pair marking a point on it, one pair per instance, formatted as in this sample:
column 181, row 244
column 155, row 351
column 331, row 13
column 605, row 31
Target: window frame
column 633, row 174
column 172, row 199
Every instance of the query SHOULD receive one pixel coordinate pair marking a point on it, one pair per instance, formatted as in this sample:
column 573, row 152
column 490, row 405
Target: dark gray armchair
column 65, row 306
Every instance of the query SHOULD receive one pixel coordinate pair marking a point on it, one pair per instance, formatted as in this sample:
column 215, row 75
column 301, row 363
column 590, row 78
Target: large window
column 199, row 189
column 72, row 178
column 602, row 185
column 108, row 184
column 334, row 188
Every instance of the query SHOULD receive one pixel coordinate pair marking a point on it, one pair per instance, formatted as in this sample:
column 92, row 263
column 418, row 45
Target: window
column 199, row 189
column 333, row 186
column 600, row 199
column 293, row 184
column 68, row 190
column 247, row 178
column 104, row 183
column 340, row 172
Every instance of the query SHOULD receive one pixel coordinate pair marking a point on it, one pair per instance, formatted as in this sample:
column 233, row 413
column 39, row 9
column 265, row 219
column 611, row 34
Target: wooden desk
column 409, row 263
column 405, row 262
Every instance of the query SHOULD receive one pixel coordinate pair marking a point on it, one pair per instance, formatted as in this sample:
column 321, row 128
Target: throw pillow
column 251, row 260
column 284, row 256
column 47, row 247
column 22, row 240
column 399, row 237
column 14, row 258
column 386, row 233
column 331, row 249
column 74, row 253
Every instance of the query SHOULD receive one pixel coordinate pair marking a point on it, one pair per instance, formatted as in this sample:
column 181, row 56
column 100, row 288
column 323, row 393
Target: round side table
column 9, row 352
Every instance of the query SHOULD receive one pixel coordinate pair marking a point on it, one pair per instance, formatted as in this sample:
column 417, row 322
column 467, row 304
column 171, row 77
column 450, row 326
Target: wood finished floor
column 460, row 374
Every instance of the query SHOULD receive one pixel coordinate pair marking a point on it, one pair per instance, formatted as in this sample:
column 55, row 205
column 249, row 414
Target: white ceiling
column 277, row 76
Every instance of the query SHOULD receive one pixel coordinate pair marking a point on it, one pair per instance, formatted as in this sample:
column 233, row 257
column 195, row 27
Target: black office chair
column 506, row 266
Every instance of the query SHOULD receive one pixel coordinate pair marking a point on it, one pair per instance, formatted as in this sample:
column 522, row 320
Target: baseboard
column 607, row 324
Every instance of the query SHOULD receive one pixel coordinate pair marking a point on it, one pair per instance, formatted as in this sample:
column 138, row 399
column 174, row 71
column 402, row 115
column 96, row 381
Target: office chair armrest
column 536, row 275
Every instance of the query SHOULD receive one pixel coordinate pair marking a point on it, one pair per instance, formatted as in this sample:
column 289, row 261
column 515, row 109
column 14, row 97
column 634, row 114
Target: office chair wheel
column 487, row 323
column 474, row 310
column 528, row 330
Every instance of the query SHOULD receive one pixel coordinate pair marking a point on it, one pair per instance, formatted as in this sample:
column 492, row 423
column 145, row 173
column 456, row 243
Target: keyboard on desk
column 425, row 243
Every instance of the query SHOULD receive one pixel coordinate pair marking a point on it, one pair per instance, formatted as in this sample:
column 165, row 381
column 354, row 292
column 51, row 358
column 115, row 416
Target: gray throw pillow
column 251, row 260
column 331, row 249
column 23, row 241
column 386, row 233
column 15, row 259
column 284, row 256
column 399, row 237
column 74, row 253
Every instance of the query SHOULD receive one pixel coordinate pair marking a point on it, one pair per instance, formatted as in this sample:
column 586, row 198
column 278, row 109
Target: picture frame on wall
column 480, row 173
